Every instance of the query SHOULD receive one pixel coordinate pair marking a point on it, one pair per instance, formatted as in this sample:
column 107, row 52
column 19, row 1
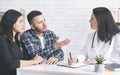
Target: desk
column 59, row 70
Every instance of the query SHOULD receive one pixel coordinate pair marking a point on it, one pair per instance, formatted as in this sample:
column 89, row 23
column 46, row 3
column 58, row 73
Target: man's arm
column 53, row 52
column 50, row 49
column 58, row 53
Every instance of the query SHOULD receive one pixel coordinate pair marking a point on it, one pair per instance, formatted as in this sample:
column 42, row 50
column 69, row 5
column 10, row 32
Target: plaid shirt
column 33, row 45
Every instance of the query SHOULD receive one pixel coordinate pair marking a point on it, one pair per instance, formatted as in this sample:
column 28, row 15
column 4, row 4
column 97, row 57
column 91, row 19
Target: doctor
column 105, row 40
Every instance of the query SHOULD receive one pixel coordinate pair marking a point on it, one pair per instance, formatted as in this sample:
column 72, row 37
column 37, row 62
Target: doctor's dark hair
column 8, row 20
column 106, row 24
column 33, row 14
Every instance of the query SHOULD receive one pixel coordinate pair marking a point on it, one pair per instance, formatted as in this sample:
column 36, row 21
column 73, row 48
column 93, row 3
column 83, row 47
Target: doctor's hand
column 90, row 61
column 52, row 60
column 72, row 61
column 58, row 44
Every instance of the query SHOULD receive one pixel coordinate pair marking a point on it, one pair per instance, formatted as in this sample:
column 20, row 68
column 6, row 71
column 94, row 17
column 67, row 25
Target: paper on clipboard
column 77, row 65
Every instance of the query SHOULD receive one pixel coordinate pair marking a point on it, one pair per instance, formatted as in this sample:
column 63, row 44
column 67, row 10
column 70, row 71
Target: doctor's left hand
column 90, row 61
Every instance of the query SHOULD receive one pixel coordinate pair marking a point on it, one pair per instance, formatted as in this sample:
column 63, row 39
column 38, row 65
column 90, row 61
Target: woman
column 11, row 56
column 105, row 40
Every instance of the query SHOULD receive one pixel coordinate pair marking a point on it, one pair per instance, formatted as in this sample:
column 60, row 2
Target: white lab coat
column 111, row 52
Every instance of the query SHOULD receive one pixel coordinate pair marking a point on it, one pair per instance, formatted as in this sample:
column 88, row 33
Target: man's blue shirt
column 33, row 45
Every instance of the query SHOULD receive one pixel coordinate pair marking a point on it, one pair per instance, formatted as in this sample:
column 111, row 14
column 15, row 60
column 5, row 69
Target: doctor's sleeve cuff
column 81, row 58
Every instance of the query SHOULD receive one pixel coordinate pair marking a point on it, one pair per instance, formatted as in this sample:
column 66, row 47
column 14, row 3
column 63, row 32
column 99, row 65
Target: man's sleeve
column 28, row 45
column 58, row 53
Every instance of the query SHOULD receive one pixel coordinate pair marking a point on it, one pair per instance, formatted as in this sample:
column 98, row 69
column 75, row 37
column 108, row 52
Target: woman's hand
column 72, row 61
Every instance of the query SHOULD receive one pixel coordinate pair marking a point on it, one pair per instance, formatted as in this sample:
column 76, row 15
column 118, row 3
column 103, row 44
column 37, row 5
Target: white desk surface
column 59, row 70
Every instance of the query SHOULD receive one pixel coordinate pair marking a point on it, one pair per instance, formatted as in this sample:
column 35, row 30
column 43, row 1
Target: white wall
column 67, row 18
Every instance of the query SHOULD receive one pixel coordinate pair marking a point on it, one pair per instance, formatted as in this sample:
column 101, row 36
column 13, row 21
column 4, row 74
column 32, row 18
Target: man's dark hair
column 106, row 24
column 33, row 14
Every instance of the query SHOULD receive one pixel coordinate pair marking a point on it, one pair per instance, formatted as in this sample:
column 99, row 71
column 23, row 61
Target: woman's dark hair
column 33, row 14
column 106, row 24
column 8, row 20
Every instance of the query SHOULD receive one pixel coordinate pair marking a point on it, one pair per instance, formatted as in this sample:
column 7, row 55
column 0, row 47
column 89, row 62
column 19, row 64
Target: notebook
column 77, row 65
column 113, row 66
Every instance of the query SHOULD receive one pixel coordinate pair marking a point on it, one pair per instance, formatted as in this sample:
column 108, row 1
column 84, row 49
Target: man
column 41, row 41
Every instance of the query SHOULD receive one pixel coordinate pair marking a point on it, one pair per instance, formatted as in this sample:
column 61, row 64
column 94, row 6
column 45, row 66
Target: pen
column 70, row 55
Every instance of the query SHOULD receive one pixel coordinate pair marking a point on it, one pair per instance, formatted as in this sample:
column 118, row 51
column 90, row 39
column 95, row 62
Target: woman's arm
column 37, row 60
column 8, row 62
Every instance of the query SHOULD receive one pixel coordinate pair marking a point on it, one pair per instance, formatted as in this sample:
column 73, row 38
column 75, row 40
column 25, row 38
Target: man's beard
column 38, row 30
